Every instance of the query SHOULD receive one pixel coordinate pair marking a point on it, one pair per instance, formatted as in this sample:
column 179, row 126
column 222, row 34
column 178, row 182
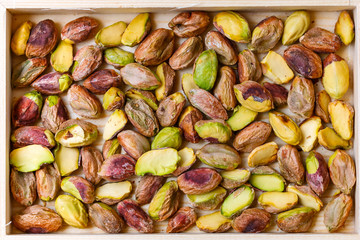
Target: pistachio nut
column 147, row 187
column 321, row 40
column 295, row 26
column 184, row 218
column 213, row 223
column 54, row 113
column 252, row 220
column 133, row 143
column 344, row 28
column 111, row 35
column 111, row 147
column 215, row 131
column 205, row 69
column 72, row 211
column 330, row 140
column 30, row 158
column 29, row 135
column 285, row 128
column 87, row 59
column 48, row 182
column 306, row 196
column 166, row 75
column 20, row 38
column 105, row 218
column 187, row 120
column 276, row 69
column 139, row 76
column 278, row 92
column 170, row 109
column 114, row 124
column 222, row 46
column 237, row 201
column 52, row 83
column 233, row 26
column 137, row 30
column 224, row 89
column 296, row 220
column 117, row 57
column 62, row 58
column 27, row 71
column 322, row 101
column 79, row 188
column 23, row 187
column 337, row 211
column 263, row 155
column 91, row 161
column 301, row 97
column 290, row 164
column 249, row 68
column 189, row 24
column 78, row 30
column 186, row 54
column 309, row 130
column 267, row 179
column 113, row 99
column 317, row 173
column 187, row 159
column 102, row 80
column 113, row 192
column 168, row 137
column 43, row 38
column 66, row 159
column 187, row 83
column 209, row 200
column 147, row 96
column 241, row 117
column 234, row 178
column 117, row 167
column 276, row 202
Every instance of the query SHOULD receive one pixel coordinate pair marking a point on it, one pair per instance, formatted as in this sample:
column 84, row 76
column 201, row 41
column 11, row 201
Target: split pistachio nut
column 113, row 192
column 133, row 143
column 111, row 35
column 114, row 124
column 213, row 223
column 278, row 92
column 117, row 168
column 220, row 156
column 199, row 181
column 205, row 69
column 142, row 117
column 252, row 220
column 79, row 188
column 295, row 26
column 139, row 76
column 147, row 96
column 342, row 118
column 168, row 137
column 187, row 83
column 111, row 147
column 252, row 136
column 165, row 202
column 222, row 46
column 184, row 218
column 76, row 133
column 224, row 89
column 86, row 60
column 322, row 101
column 117, row 57
column 309, row 130
column 62, row 58
column 214, row 131
column 102, row 80
column 66, row 159
column 187, row 159
column 187, row 120
column 37, row 219
column 234, row 178
column 249, row 68
column 27, row 109
column 147, row 188
column 137, row 30
column 157, row 162
column 170, row 109
column 91, row 161
column 290, row 164
column 23, row 187
column 48, row 182
column 306, row 196
column 296, row 220
column 344, row 28
column 337, row 211
column 186, row 54
column 105, row 218
column 276, row 202
column 253, row 96
column 30, row 158
column 301, row 97
column 336, row 76
column 27, row 71
column 43, row 38
column 321, row 40
column 113, row 99
column 20, row 38
column 266, row 34
column 241, row 117
column 237, row 201
column 52, row 83
column 30, row 135
column 276, row 69
column 317, row 173
column 285, row 128
column 166, row 75
column 209, row 200
column 233, row 26
column 78, row 30
column 189, row 24
column 342, row 171
column 72, row 211
column 330, row 140
column 267, row 179
column 263, row 155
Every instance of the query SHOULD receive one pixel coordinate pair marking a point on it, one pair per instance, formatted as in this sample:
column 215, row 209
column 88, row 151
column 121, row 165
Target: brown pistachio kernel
column 249, row 68
column 91, row 161
column 198, row 181
column 337, row 211
column 290, row 164
column 27, row 109
column 54, row 113
column 23, row 187
column 322, row 100
column 78, row 30
column 87, row 59
column 111, row 147
column 52, row 83
column 79, row 188
column 42, row 40
column 133, row 143
column 113, row 99
column 185, row 55
column 222, row 46
column 252, row 220
column 170, row 108
column 303, row 61
column 27, row 71
column 224, row 89
column 139, row 76
column 278, row 92
column 321, row 40
column 296, row 220
column 189, row 24
column 317, row 173
column 102, row 80
column 29, row 135
column 184, row 218
column 84, row 103
column 147, row 187
column 301, row 97
column 105, row 218
column 37, row 219
column 117, row 168
column 187, row 121
column 135, row 216
column 48, row 182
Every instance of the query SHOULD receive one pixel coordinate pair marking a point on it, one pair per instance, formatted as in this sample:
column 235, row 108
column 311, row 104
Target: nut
column 222, row 46
column 187, row 83
column 168, row 137
column 29, row 135
column 188, row 118
column 213, row 223
column 26, row 110
column 84, row 103
column 42, row 39
column 23, row 187
column 344, row 28
column 263, row 155
column 79, row 188
column 208, row 201
column 233, row 26
column 276, row 202
column 117, row 168
column 54, row 113
column 301, row 98
column 166, row 75
column 322, row 101
column 111, row 147
column 187, row 159
column 156, row 48
column 138, row 76
column 147, row 187
column 137, row 30
column 52, row 83
column 260, row 178
column 186, row 54
column 87, row 59
column 249, row 68
column 317, row 173
column 337, row 211
column 112, row 193
column 114, row 124
column 62, row 58
column 105, row 218
column 303, row 61
column 37, row 219
column 48, row 182
column 266, row 34
column 147, row 96
column 237, row 201
column 214, row 131
column 330, row 140
column 102, row 80
column 276, row 69
column 224, row 89
column 117, row 57
column 78, row 30
column 30, row 158
column 278, row 92
column 306, row 196
column 110, row 36
column 295, row 26
column 252, row 220
column 321, row 40
column 66, row 159
column 290, row 164
column 189, row 24
column 20, row 38
column 184, row 218
column 285, row 128
column 72, row 211
column 133, row 143
column 205, row 69
column 296, row 220
column 170, row 108
column 199, row 181
column 113, row 99
column 91, row 161
column 27, row 71
column 309, row 130
column 234, row 178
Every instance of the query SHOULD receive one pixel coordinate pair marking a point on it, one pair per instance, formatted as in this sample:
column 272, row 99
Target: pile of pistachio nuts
column 53, row 157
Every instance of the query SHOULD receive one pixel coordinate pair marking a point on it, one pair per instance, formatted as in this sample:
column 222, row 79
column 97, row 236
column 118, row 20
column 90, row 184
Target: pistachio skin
column 189, row 24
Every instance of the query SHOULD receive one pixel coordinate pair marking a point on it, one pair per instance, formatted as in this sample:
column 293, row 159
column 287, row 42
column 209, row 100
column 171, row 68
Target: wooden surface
column 16, row 15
